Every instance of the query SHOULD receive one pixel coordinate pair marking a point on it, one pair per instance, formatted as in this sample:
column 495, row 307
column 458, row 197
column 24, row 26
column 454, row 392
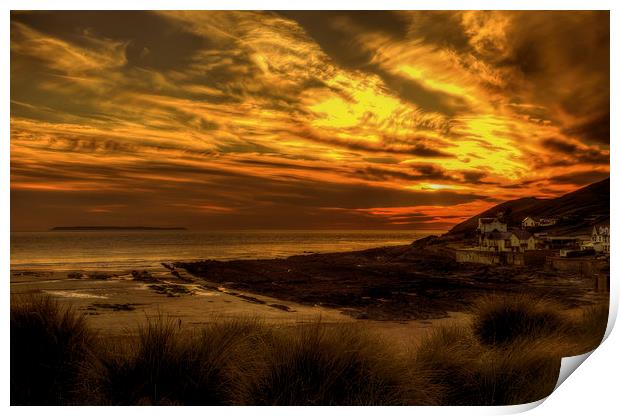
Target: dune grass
column 466, row 371
column 319, row 364
column 447, row 357
column 506, row 319
column 164, row 365
column 590, row 328
column 518, row 319
column 509, row 355
column 49, row 345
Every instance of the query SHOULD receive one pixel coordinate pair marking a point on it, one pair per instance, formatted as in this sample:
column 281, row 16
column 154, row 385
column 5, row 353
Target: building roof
column 521, row 234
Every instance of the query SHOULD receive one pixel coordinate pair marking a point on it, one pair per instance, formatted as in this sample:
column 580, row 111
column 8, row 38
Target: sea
column 128, row 250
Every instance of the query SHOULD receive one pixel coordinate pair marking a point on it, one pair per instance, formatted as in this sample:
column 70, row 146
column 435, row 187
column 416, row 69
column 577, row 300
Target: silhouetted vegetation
column 316, row 364
column 55, row 359
column 505, row 319
column 49, row 345
column 467, row 372
column 590, row 328
column 163, row 365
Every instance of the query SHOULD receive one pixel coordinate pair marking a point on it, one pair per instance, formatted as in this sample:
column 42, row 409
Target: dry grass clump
column 510, row 355
column 505, row 319
column 244, row 362
column 448, row 357
column 318, row 364
column 516, row 374
column 49, row 344
column 587, row 331
column 467, row 372
column 164, row 365
column 593, row 325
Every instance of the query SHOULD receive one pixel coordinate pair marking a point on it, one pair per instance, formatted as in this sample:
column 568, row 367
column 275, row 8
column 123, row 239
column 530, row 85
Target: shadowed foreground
column 510, row 355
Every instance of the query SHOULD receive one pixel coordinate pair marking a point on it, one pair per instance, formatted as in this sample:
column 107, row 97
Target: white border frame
column 591, row 390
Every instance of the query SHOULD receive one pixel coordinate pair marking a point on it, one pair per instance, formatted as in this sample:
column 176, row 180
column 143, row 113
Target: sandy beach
column 116, row 303
column 402, row 291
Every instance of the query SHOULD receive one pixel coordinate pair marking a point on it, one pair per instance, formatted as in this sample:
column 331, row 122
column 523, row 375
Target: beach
column 116, row 306
column 418, row 291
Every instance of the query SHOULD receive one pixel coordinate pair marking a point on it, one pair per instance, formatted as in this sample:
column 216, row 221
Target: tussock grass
column 466, row 372
column 589, row 329
column 523, row 372
column 448, row 359
column 164, row 365
column 509, row 355
column 318, row 364
column 505, row 319
column 49, row 344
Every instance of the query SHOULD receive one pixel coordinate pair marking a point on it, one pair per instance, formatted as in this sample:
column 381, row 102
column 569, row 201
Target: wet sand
column 116, row 303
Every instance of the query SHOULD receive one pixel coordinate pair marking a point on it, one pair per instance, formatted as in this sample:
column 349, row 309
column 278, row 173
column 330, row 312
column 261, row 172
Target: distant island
column 115, row 228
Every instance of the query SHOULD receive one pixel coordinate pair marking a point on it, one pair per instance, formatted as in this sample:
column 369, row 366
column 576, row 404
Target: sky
column 301, row 120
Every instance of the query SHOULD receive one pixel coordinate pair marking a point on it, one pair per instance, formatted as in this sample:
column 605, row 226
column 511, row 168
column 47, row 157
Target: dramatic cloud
column 301, row 119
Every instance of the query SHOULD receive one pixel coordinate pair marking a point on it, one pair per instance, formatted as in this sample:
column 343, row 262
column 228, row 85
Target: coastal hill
column 577, row 211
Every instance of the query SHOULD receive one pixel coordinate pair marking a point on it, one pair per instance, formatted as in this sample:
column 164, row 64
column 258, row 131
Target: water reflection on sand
column 128, row 303
column 74, row 294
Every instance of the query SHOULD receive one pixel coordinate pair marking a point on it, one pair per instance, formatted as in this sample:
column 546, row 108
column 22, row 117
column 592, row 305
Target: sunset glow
column 228, row 120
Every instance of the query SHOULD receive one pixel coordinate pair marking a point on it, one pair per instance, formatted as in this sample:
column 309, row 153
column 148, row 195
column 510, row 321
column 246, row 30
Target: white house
column 495, row 241
column 488, row 225
column 521, row 240
column 600, row 239
column 529, row 222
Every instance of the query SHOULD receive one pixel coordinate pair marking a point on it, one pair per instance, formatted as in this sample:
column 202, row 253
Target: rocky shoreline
column 390, row 283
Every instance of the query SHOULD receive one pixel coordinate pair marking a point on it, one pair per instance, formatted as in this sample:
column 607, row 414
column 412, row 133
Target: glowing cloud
column 301, row 119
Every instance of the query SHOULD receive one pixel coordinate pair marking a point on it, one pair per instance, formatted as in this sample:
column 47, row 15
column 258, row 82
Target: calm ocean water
column 120, row 250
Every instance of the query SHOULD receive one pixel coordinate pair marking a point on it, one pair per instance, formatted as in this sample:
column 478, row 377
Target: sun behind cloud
column 302, row 119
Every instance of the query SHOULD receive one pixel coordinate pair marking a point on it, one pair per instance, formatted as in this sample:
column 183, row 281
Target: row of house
column 493, row 235
column 595, row 244
column 515, row 241
column 497, row 244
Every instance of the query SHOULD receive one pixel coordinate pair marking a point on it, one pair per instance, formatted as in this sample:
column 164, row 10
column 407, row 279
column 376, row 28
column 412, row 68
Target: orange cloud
column 385, row 119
